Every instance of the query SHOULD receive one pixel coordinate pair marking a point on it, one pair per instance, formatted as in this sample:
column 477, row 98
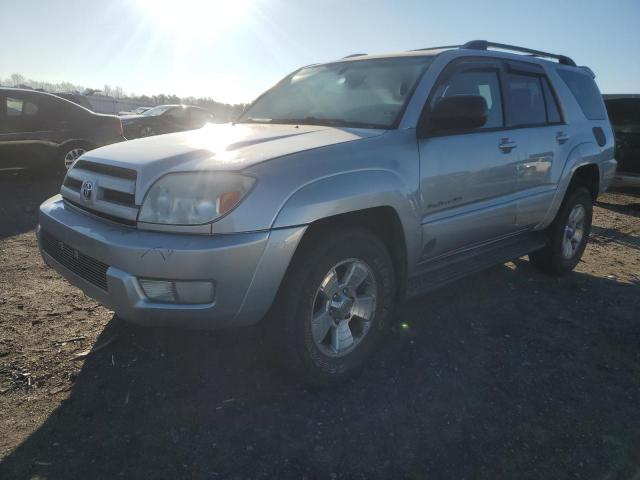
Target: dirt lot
column 506, row 374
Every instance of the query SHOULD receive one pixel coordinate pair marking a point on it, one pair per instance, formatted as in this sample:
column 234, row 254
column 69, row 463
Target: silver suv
column 344, row 189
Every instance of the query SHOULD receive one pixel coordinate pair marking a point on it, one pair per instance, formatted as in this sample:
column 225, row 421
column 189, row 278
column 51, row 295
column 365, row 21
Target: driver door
column 468, row 177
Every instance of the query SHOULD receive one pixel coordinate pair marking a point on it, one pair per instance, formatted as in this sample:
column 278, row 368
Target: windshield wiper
column 329, row 122
column 254, row 120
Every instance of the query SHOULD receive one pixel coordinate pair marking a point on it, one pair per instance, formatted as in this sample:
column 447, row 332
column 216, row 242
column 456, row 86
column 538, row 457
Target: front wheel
column 568, row 235
column 335, row 304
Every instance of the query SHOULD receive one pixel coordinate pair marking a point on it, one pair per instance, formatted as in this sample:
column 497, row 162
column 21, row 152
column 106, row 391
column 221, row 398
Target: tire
column 70, row 153
column 556, row 258
column 306, row 305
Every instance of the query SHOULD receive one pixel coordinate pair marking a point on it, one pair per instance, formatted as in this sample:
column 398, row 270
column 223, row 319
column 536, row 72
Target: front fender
column 352, row 191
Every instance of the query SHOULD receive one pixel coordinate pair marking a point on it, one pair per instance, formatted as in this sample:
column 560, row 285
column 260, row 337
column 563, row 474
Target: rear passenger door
column 540, row 134
column 468, row 178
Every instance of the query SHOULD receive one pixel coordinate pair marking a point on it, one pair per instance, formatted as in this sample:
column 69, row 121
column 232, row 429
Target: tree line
column 221, row 111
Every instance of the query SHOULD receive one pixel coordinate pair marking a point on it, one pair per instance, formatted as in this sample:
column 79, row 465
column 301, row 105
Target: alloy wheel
column 72, row 155
column 344, row 307
column 573, row 231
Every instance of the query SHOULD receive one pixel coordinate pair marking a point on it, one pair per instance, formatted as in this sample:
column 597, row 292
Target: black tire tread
column 549, row 259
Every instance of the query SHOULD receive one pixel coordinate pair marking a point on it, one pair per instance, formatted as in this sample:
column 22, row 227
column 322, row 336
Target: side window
column 526, row 100
column 553, row 112
column 474, row 82
column 14, row 107
column 177, row 114
column 53, row 112
column 22, row 114
column 586, row 93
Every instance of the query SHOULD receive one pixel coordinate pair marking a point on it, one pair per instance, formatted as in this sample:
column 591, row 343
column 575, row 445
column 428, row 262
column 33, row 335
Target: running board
column 439, row 272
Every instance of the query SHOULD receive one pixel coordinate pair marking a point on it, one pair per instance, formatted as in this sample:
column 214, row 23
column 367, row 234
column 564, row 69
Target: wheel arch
column 377, row 200
column 582, row 167
column 75, row 142
column 383, row 222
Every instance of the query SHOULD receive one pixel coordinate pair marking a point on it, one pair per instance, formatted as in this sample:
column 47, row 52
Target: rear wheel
column 568, row 234
column 334, row 305
column 70, row 153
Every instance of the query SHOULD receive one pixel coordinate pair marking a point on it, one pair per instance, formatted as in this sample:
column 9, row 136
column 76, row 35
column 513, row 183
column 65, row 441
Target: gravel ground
column 505, row 374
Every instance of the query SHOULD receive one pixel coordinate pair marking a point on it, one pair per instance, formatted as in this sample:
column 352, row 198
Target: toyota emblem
column 86, row 189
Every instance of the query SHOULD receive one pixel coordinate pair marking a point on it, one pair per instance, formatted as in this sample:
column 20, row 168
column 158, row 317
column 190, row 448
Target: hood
column 219, row 147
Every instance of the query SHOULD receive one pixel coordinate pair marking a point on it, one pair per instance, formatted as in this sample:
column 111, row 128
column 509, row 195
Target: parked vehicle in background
column 165, row 119
column 346, row 188
column 624, row 113
column 40, row 129
column 137, row 111
column 76, row 98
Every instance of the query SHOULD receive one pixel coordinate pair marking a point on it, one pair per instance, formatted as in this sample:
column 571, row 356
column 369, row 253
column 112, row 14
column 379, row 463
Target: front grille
column 73, row 183
column 90, row 269
column 109, row 170
column 104, row 190
column 122, row 198
column 106, row 216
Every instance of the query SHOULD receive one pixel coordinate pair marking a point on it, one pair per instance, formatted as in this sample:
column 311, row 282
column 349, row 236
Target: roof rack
column 435, row 48
column 485, row 45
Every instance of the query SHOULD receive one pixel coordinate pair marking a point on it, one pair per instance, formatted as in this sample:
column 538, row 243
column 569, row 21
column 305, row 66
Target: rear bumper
column 247, row 268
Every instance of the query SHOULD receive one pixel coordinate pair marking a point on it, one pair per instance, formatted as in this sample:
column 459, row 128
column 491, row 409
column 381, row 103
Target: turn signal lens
column 227, row 201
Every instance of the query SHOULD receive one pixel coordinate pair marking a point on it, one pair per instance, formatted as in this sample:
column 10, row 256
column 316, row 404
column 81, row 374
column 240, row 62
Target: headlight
column 193, row 198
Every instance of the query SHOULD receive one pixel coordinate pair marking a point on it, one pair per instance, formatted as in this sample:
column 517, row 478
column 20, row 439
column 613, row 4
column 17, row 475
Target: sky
column 233, row 50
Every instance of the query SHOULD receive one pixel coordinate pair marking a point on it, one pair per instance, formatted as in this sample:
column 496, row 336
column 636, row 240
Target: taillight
column 120, row 129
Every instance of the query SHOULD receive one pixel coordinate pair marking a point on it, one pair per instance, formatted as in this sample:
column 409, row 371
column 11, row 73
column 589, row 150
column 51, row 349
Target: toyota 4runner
column 344, row 189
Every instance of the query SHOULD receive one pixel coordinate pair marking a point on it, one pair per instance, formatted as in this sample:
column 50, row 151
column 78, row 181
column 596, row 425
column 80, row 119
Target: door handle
column 562, row 137
column 506, row 145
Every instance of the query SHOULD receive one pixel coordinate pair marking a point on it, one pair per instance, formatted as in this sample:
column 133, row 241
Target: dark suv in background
column 624, row 114
column 165, row 119
column 39, row 129
column 81, row 100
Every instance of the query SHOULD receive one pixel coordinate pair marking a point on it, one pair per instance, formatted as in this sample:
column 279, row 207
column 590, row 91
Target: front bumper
column 247, row 268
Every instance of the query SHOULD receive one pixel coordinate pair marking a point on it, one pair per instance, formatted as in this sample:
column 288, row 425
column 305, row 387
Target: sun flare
column 195, row 18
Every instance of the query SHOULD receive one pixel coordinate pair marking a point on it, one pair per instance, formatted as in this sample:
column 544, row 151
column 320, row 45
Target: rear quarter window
column 586, row 93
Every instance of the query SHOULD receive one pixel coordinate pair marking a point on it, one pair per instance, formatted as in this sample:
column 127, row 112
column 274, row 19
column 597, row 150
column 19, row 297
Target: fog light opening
column 178, row 291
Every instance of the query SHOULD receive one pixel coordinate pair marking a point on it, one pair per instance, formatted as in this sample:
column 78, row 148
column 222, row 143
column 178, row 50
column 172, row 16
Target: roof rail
column 355, row 55
column 435, row 48
column 485, row 45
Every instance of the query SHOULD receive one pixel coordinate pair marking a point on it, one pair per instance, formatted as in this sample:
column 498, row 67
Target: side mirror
column 458, row 112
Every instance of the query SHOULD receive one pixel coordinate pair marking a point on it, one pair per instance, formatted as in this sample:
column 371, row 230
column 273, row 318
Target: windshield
column 364, row 93
column 155, row 111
